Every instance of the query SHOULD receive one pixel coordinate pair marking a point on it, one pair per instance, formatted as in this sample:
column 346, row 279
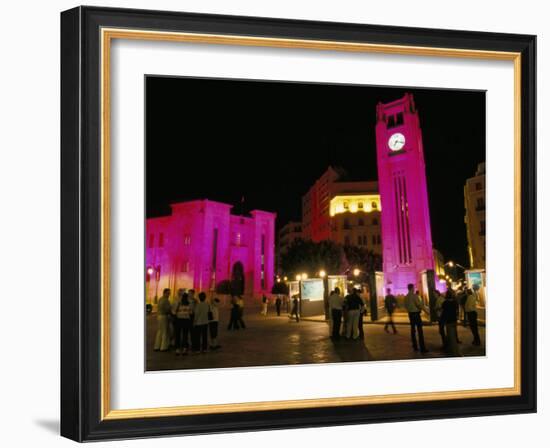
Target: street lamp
column 356, row 272
column 298, row 277
column 323, row 275
column 452, row 264
column 304, row 276
column 286, row 278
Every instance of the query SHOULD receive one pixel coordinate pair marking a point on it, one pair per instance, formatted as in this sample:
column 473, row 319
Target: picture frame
column 86, row 37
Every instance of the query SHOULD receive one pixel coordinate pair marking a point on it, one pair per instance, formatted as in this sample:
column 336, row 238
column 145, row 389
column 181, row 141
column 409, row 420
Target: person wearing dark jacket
column 354, row 305
column 390, row 304
column 449, row 316
column 295, row 311
column 234, row 315
column 278, row 303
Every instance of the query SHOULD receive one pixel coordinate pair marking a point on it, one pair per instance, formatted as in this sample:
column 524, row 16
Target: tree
column 361, row 258
column 280, row 288
column 224, row 287
column 307, row 256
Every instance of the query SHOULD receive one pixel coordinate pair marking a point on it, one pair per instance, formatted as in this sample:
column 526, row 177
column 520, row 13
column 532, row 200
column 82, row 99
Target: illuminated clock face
column 396, row 141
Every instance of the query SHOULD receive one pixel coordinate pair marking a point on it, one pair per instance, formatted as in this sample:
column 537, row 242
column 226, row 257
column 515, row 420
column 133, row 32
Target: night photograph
column 298, row 223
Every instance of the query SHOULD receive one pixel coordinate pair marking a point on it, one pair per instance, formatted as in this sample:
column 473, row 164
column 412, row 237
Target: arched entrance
column 237, row 278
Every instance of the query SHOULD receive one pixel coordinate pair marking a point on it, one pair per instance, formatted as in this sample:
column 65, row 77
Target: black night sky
column 269, row 141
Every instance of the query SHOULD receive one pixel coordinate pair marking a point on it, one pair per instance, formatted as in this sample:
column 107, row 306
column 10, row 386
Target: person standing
column 294, row 311
column 164, row 308
column 182, row 324
column 353, row 305
column 234, row 315
column 335, row 302
column 240, row 320
column 213, row 321
column 200, row 324
column 461, row 298
column 414, row 306
column 439, row 299
column 264, row 305
column 449, row 316
column 278, row 303
column 362, row 313
column 470, row 308
column 390, row 304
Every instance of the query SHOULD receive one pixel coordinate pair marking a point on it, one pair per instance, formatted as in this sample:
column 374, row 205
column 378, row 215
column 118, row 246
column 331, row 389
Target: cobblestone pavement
column 272, row 340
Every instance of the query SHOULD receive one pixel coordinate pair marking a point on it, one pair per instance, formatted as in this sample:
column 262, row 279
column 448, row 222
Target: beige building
column 342, row 211
column 355, row 221
column 290, row 232
column 474, row 203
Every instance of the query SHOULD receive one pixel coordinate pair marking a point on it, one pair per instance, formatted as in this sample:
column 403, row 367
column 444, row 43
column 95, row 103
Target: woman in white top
column 200, row 323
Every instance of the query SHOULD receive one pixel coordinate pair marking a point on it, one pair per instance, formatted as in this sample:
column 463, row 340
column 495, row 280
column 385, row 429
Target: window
column 161, row 239
column 346, row 205
column 346, row 224
column 346, row 240
column 360, row 205
column 399, row 119
column 374, row 240
column 374, row 205
column 480, row 204
column 482, row 228
column 478, row 186
column 185, row 266
column 378, row 240
column 374, row 221
column 151, row 240
column 361, row 222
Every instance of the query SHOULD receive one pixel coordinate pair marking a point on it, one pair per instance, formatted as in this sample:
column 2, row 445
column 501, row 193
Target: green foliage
column 224, row 287
column 280, row 288
column 309, row 257
column 363, row 259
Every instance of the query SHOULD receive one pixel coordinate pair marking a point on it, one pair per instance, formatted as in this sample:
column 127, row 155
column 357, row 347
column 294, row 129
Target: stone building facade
column 474, row 203
column 202, row 244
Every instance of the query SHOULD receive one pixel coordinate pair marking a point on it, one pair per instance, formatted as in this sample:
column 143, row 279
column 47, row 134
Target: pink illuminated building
column 201, row 244
column 406, row 232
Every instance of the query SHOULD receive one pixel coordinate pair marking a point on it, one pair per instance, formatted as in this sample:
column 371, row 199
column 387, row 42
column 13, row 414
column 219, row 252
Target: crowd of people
column 191, row 324
column 347, row 314
column 188, row 323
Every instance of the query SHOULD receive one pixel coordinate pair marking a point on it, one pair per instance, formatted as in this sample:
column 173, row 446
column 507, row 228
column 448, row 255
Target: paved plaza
column 272, row 340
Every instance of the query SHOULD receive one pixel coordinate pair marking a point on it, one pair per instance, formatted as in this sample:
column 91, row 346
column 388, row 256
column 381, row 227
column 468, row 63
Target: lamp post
column 157, row 278
column 149, row 271
column 453, row 265
column 300, row 278
column 323, row 275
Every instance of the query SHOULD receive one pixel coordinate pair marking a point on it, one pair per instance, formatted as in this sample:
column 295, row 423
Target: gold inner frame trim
column 107, row 35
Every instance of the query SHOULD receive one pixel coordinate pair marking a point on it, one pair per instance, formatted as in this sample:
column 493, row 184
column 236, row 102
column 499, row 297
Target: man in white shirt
column 470, row 308
column 414, row 305
column 335, row 302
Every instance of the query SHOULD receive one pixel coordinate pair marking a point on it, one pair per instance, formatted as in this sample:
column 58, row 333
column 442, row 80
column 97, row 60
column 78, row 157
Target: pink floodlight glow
column 202, row 244
column 405, row 216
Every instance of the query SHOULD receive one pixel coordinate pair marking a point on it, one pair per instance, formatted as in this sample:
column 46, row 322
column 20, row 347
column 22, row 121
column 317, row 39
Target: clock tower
column 405, row 216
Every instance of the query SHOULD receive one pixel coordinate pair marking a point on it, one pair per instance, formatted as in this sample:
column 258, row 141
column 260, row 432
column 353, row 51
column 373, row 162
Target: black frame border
column 81, row 223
